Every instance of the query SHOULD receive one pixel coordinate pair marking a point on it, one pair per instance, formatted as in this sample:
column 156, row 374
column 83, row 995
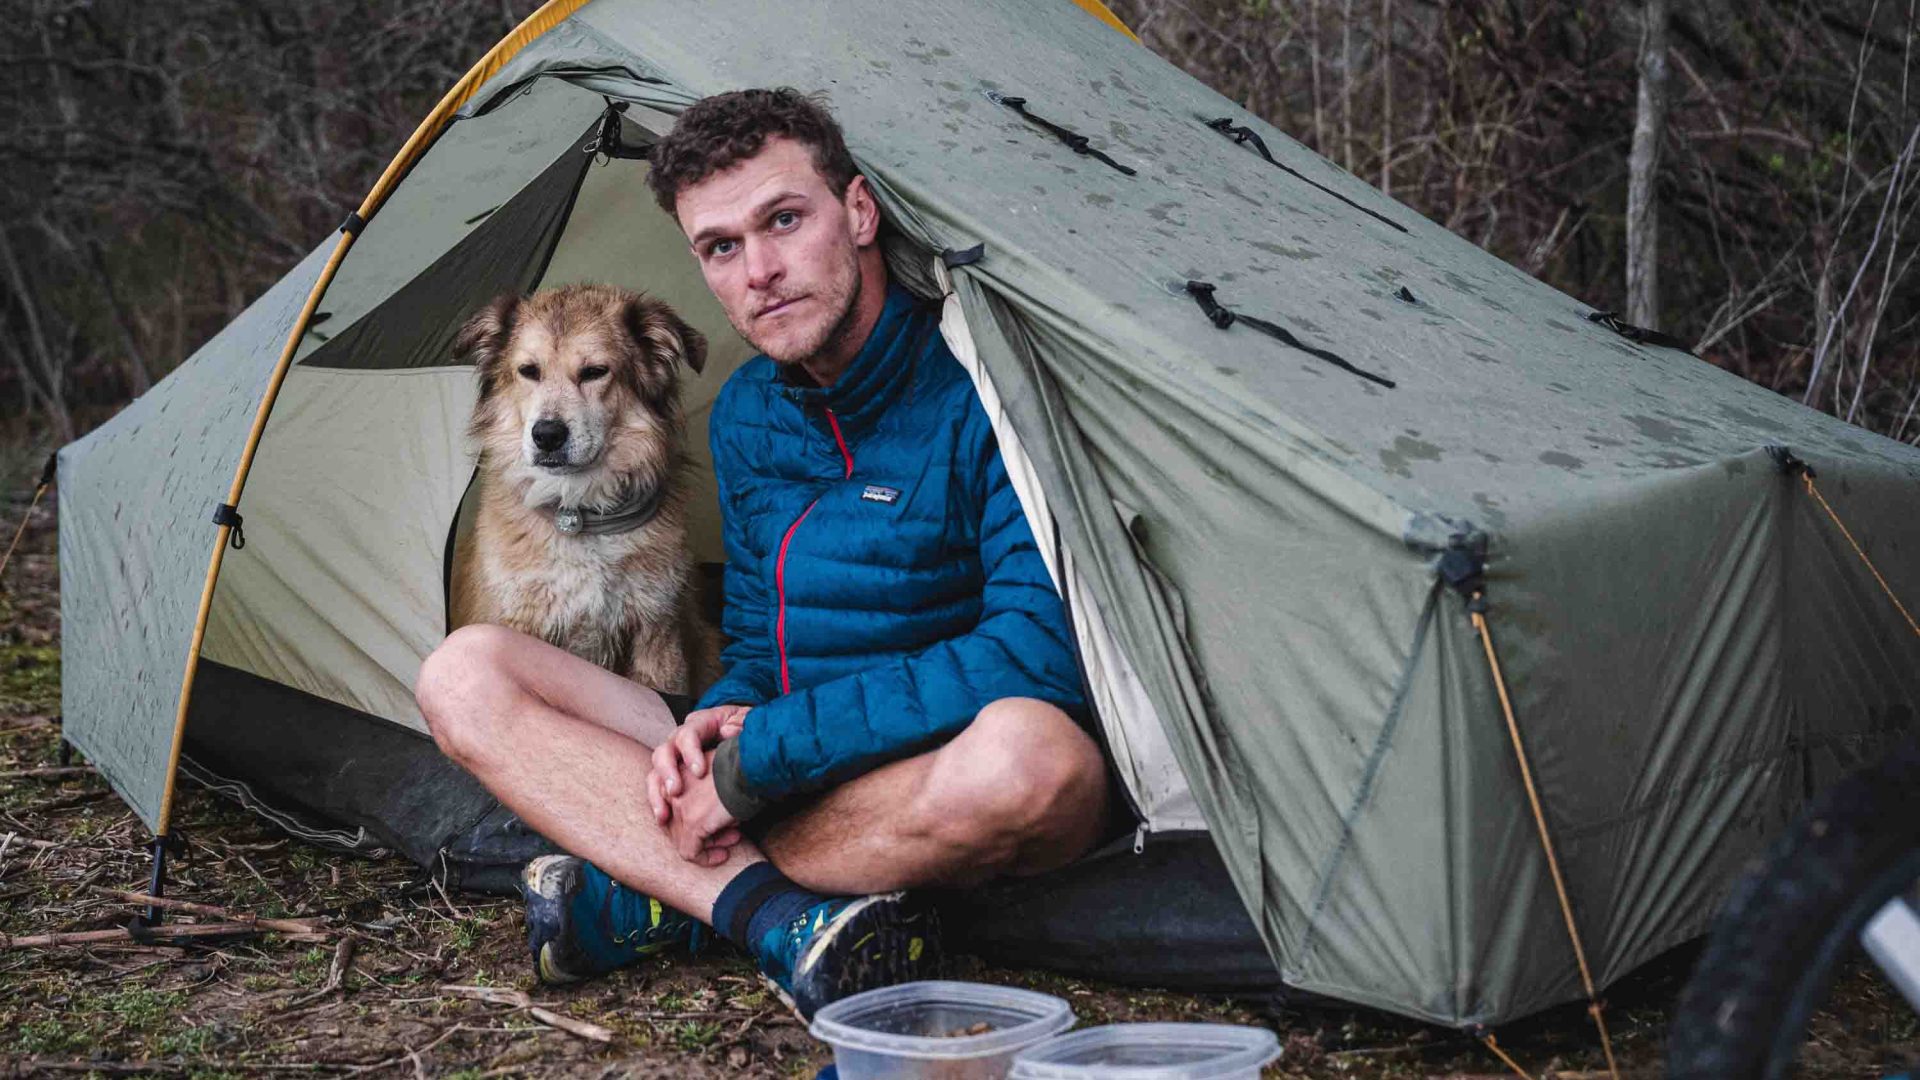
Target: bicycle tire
column 1777, row 945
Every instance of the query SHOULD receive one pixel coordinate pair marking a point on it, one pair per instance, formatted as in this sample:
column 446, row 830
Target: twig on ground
column 48, row 773
column 151, row 1067
column 336, row 973
column 518, row 999
column 160, row 935
column 287, row 926
column 67, row 801
column 392, row 1061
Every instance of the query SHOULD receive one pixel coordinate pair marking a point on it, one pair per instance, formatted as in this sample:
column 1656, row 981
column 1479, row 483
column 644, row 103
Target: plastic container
column 917, row 1030
column 1151, row 1052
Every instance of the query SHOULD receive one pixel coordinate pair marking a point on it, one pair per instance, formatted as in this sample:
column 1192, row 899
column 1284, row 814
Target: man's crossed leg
column 569, row 747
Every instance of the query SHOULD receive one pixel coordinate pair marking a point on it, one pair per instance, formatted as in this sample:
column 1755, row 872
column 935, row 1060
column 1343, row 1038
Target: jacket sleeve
column 1020, row 647
column 747, row 657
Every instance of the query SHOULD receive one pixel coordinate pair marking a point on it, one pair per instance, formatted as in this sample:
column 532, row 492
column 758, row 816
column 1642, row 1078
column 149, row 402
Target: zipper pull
column 1140, row 838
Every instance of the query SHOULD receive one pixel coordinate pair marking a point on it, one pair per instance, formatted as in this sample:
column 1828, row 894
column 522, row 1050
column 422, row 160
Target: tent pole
column 549, row 15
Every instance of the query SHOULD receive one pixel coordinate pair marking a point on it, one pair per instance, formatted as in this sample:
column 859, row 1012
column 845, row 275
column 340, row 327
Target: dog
column 580, row 533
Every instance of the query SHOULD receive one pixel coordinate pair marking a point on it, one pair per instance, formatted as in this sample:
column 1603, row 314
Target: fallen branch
column 285, row 926
column 518, row 999
column 49, row 845
column 160, row 1065
column 28, row 841
column 49, row 773
column 121, row 933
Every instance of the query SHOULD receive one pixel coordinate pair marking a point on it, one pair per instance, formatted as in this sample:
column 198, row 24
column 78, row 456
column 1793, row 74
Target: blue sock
column 757, row 900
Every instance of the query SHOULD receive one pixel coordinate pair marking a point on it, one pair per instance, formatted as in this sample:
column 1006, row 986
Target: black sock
column 758, row 899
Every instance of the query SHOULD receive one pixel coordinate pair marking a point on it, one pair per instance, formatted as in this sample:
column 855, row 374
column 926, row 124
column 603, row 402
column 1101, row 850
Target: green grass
column 85, row 1021
column 30, row 678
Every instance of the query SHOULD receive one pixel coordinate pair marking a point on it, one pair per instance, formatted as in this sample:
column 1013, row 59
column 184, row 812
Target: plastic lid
column 895, row 1019
column 1149, row 1052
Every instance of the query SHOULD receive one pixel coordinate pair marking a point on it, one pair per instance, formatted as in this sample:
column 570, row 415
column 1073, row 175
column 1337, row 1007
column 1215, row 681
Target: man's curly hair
column 721, row 131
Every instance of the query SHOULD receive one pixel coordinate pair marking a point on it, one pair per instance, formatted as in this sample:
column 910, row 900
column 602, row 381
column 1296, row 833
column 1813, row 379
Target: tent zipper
column 780, row 564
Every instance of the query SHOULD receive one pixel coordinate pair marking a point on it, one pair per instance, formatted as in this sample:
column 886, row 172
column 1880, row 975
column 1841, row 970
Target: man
column 901, row 705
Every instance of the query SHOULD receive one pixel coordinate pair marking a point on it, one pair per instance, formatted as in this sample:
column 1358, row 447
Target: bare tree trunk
column 1346, row 85
column 36, row 355
column 1386, row 96
column 1643, row 168
column 1313, row 63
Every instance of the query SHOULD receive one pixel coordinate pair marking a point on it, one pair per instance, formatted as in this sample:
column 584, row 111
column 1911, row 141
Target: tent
column 1277, row 501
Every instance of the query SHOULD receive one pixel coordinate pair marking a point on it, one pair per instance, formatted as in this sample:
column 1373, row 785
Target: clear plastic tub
column 1151, row 1052
column 920, row 1030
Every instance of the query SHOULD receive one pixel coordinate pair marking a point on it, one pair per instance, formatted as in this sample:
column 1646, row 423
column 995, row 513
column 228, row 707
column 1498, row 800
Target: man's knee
column 1022, row 770
column 459, row 686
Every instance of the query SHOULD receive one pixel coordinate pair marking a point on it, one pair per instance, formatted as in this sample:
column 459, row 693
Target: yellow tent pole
column 548, row 16
column 1099, row 11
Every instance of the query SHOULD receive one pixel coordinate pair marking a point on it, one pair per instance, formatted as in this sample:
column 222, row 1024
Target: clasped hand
column 680, row 786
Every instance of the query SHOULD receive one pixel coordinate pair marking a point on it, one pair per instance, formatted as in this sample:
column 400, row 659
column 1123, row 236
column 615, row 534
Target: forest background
column 1740, row 174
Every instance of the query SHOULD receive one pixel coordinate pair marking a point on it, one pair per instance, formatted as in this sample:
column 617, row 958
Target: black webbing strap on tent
column 1638, row 334
column 607, row 141
column 1243, row 135
column 1202, row 293
column 1787, row 462
column 1074, row 140
column 953, row 257
column 353, row 224
column 1463, row 567
column 228, row 514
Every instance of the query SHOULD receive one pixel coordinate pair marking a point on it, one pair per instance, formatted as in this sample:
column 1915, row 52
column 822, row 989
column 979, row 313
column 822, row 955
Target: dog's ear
column 655, row 325
column 482, row 342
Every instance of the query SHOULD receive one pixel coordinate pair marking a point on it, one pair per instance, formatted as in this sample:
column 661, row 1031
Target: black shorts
column 677, row 704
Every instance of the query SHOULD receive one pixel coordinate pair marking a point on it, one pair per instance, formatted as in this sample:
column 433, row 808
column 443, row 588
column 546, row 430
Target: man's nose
column 764, row 267
column 549, row 434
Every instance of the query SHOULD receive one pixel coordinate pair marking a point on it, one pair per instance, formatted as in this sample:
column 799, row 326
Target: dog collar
column 626, row 517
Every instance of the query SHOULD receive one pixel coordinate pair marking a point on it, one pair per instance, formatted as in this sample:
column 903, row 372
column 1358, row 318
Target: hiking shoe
column 582, row 923
column 848, row 944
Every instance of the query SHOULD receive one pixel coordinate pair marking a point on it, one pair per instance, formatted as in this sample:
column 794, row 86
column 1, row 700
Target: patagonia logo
column 876, row 493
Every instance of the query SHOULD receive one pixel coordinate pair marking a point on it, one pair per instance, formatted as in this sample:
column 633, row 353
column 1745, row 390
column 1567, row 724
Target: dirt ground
column 397, row 979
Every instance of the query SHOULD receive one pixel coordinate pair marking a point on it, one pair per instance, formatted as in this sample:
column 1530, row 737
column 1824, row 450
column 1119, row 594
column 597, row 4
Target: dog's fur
column 623, row 600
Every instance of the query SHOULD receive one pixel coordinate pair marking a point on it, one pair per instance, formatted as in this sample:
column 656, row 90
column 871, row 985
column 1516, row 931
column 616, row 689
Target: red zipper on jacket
column 780, row 566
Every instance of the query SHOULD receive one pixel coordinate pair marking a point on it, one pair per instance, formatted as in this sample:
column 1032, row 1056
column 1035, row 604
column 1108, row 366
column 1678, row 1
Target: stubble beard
column 835, row 335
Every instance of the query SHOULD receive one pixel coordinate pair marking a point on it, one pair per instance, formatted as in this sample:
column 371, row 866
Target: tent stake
column 154, row 912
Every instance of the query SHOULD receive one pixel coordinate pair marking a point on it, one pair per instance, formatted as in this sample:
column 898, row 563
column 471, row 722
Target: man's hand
column 701, row 828
column 684, row 758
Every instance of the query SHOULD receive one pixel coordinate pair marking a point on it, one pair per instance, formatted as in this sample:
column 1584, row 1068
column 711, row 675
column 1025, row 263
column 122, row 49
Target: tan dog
column 580, row 535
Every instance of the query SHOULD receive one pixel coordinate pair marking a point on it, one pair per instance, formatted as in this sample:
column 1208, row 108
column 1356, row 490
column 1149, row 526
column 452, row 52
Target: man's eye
column 530, row 371
column 785, row 219
column 590, row 373
column 720, row 248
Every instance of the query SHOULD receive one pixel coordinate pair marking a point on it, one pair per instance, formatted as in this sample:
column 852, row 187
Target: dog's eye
column 530, row 371
column 588, row 374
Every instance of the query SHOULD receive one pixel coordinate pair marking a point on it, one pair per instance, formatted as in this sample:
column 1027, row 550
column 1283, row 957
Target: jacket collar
column 879, row 373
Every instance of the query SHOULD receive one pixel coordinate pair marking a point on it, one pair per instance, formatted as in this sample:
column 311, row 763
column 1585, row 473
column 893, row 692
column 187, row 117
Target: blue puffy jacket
column 882, row 584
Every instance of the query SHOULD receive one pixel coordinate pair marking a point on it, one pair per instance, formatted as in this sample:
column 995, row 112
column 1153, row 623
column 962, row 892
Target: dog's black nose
column 549, row 434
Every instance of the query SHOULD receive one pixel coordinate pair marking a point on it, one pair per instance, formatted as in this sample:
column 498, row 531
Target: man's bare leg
column 566, row 745
column 1021, row 790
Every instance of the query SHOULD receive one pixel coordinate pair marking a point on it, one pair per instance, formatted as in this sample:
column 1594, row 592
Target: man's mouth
column 777, row 308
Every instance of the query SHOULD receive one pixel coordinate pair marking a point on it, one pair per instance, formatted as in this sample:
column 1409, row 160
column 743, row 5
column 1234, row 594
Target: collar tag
column 876, row 493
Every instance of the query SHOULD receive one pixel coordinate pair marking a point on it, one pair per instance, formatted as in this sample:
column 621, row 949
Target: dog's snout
column 549, row 434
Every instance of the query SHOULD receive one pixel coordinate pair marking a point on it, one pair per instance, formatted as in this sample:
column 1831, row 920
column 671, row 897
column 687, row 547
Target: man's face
column 780, row 249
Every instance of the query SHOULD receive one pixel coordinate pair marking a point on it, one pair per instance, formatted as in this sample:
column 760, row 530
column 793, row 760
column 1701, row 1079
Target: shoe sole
column 876, row 941
column 544, row 883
